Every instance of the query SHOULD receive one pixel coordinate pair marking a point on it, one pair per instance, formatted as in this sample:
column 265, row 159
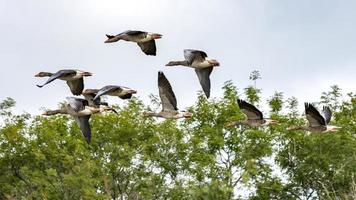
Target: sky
column 301, row 47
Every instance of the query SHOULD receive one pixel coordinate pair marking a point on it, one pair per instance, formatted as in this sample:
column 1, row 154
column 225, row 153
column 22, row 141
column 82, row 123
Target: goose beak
column 215, row 63
column 132, row 91
column 87, row 74
column 156, row 36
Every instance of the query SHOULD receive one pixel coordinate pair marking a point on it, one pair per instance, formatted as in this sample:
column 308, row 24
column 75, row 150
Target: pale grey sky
column 300, row 47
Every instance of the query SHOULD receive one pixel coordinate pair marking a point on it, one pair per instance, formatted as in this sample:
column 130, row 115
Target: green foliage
column 133, row 157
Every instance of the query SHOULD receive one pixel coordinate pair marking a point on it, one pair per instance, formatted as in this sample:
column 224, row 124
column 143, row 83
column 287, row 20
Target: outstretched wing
column 83, row 123
column 204, row 79
column 59, row 74
column 77, row 104
column 149, row 47
column 76, row 86
column 313, row 116
column 168, row 99
column 107, row 89
column 192, row 55
column 327, row 114
column 249, row 110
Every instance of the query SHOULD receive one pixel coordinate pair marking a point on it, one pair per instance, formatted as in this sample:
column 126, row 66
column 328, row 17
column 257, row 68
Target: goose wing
column 83, row 123
column 76, row 86
column 107, row 89
column 249, row 110
column 204, row 79
column 134, row 33
column 168, row 99
column 90, row 98
column 327, row 114
column 149, row 47
column 59, row 74
column 77, row 104
column 192, row 55
column 126, row 96
column 313, row 115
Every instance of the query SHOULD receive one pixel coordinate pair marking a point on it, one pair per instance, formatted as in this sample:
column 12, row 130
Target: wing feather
column 192, row 55
column 313, row 115
column 249, row 110
column 168, row 99
column 204, row 79
column 149, row 47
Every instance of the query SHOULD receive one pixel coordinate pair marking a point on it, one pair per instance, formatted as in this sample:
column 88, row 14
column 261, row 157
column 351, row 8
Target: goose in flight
column 317, row 122
column 112, row 90
column 201, row 63
column 74, row 79
column 169, row 101
column 81, row 111
column 145, row 40
column 254, row 116
column 89, row 95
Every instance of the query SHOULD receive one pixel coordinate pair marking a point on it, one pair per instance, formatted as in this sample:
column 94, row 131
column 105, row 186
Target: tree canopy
column 133, row 157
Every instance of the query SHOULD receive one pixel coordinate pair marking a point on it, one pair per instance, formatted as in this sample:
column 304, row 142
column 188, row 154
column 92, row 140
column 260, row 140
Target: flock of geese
column 81, row 109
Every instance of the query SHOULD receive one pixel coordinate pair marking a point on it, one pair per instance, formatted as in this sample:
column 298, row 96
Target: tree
column 133, row 157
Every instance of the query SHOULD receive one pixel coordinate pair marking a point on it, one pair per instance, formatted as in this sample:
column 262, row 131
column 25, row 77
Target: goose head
column 83, row 73
column 90, row 91
column 271, row 122
column 111, row 38
column 186, row 114
column 155, row 35
column 43, row 74
column 126, row 90
column 333, row 128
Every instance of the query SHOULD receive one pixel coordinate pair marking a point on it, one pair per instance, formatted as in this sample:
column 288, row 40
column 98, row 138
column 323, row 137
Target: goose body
column 201, row 63
column 81, row 111
column 145, row 40
column 254, row 115
column 168, row 100
column 317, row 121
column 74, row 79
column 113, row 90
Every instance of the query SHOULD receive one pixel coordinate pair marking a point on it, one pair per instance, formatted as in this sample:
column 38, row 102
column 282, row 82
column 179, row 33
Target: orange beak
column 157, row 36
column 214, row 63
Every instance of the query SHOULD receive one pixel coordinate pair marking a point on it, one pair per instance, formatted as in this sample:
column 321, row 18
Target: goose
column 317, row 122
column 74, row 79
column 201, row 63
column 81, row 111
column 112, row 90
column 254, row 116
column 89, row 95
column 169, row 101
column 145, row 40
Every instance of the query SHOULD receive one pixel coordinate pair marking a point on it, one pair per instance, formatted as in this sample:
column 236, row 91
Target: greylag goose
column 89, row 95
column 317, row 122
column 145, row 40
column 81, row 111
column 169, row 101
column 201, row 63
column 74, row 79
column 112, row 90
column 254, row 116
